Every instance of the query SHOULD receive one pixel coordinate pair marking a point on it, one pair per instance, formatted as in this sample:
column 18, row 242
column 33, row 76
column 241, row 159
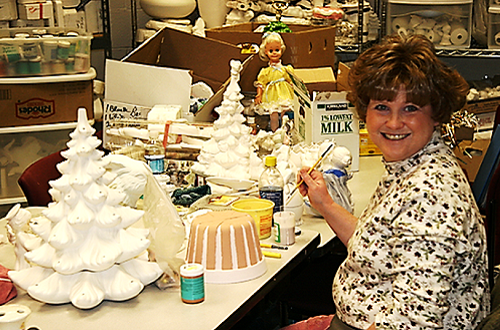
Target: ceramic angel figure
column 17, row 225
column 274, row 85
column 336, row 176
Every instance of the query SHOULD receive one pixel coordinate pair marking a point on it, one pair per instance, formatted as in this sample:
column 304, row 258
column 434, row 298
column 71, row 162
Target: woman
column 417, row 254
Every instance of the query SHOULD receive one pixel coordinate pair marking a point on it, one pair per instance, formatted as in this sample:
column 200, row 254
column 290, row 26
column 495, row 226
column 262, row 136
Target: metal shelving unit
column 103, row 41
column 483, row 53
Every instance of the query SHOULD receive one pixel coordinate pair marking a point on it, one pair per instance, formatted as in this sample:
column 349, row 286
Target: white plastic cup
column 284, row 227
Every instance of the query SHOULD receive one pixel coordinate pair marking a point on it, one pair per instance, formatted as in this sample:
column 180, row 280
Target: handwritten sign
column 116, row 114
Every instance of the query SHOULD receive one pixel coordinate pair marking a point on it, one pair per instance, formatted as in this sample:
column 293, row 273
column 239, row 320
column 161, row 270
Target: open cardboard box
column 306, row 46
column 207, row 60
column 470, row 154
column 43, row 100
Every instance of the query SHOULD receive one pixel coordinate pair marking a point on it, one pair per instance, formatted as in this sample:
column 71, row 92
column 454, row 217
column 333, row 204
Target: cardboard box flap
column 315, row 75
column 201, row 55
column 204, row 114
column 204, row 57
column 343, row 77
column 307, row 46
column 148, row 52
column 317, row 79
column 162, row 86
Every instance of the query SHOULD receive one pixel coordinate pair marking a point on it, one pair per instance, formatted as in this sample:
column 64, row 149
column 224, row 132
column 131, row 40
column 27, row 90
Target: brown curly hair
column 411, row 62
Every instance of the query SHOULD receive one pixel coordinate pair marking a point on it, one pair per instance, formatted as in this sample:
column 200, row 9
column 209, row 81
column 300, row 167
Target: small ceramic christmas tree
column 87, row 252
column 229, row 153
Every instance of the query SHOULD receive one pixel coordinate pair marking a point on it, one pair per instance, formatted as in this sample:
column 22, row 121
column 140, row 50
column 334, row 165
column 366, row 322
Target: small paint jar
column 22, row 67
column 35, row 65
column 11, row 53
column 30, row 50
column 192, row 283
column 82, row 62
column 58, row 67
column 50, row 49
column 70, row 65
column 63, row 47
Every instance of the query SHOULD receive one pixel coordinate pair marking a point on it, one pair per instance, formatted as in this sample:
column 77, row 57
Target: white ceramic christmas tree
column 88, row 252
column 229, row 152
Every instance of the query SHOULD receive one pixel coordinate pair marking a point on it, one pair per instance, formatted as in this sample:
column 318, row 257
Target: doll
column 274, row 85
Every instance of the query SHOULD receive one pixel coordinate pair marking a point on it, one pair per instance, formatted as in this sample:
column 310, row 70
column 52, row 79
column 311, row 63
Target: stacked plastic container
column 447, row 23
column 83, row 15
column 494, row 25
column 48, row 51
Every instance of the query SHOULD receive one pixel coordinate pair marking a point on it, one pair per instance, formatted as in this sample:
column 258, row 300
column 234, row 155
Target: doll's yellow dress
column 277, row 87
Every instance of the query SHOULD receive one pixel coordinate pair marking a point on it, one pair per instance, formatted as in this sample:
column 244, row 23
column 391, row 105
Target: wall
column 120, row 14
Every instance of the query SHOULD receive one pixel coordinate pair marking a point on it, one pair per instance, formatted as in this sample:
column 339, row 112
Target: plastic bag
column 337, row 187
column 167, row 232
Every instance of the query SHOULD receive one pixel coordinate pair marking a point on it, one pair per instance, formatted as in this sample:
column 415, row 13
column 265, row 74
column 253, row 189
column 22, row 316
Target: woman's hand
column 340, row 220
column 314, row 187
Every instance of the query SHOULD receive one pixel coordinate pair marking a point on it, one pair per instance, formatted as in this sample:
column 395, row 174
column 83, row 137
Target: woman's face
column 398, row 128
column 273, row 51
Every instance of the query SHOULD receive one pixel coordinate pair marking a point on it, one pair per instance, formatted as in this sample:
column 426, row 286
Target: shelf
column 478, row 53
column 40, row 128
column 483, row 53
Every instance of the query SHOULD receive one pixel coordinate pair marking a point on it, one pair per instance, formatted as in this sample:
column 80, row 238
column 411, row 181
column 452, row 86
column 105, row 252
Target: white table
column 224, row 304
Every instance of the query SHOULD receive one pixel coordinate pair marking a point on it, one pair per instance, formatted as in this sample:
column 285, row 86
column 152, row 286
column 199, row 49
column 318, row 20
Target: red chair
column 34, row 181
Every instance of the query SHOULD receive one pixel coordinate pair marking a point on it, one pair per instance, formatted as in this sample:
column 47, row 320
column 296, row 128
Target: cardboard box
column 482, row 106
column 45, row 100
column 306, row 46
column 317, row 79
column 206, row 59
column 328, row 116
column 42, row 10
column 366, row 145
column 470, row 155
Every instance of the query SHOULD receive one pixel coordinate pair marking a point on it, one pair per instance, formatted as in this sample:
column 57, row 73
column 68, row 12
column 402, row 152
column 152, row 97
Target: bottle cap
column 270, row 161
column 191, row 270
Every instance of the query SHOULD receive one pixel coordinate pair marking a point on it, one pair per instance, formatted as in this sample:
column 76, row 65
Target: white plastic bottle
column 155, row 153
column 271, row 184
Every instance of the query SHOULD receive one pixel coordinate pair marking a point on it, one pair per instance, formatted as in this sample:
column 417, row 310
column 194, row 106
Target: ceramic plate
column 235, row 184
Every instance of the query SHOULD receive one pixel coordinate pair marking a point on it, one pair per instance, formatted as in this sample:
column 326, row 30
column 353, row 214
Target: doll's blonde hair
column 267, row 38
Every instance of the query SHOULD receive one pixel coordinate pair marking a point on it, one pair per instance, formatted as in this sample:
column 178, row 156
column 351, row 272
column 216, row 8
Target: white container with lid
column 448, row 24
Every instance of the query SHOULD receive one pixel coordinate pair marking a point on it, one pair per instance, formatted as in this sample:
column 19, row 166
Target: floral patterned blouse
column 417, row 259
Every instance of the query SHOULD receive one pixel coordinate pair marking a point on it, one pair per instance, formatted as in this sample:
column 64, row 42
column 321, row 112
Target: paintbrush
column 308, row 172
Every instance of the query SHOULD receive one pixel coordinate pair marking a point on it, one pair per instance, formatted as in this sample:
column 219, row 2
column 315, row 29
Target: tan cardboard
column 482, row 106
column 306, row 46
column 342, row 77
column 46, row 101
column 477, row 150
column 207, row 59
column 318, row 79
